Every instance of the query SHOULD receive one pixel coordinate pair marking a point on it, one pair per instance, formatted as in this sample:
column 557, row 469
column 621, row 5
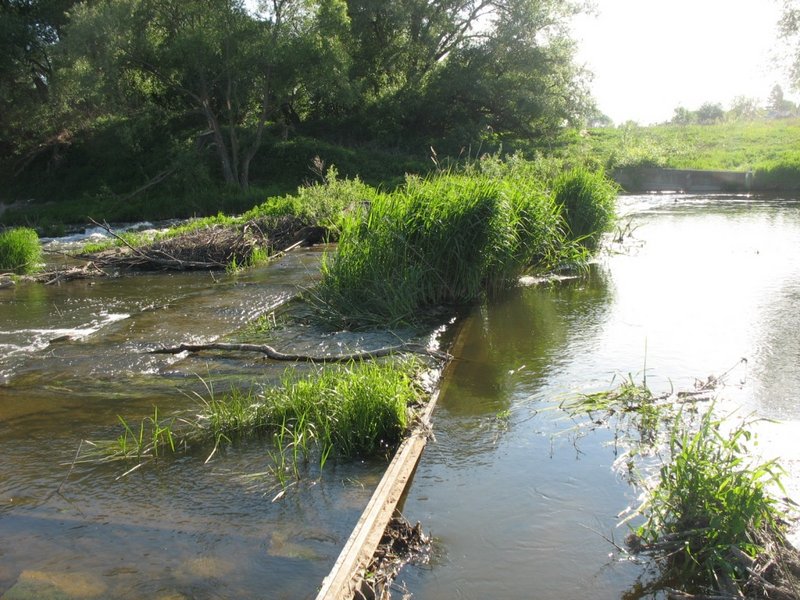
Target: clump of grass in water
column 356, row 410
column 712, row 522
column 20, row 251
column 588, row 201
column 448, row 239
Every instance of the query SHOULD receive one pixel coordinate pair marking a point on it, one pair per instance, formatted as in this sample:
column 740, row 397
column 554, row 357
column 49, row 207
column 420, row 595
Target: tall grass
column 588, row 201
column 20, row 251
column 446, row 239
column 711, row 519
column 356, row 410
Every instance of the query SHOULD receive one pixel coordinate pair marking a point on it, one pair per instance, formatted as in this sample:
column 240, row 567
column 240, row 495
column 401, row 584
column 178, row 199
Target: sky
column 649, row 56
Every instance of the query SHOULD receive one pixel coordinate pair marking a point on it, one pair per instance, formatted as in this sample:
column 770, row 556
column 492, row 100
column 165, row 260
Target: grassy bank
column 739, row 146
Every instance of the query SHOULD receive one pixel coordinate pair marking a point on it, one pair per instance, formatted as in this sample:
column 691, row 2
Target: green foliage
column 587, row 200
column 322, row 204
column 20, row 250
column 446, row 239
column 739, row 146
column 711, row 505
column 127, row 109
column 354, row 410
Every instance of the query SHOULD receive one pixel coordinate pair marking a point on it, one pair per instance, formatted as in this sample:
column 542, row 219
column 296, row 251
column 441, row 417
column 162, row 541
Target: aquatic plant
column 447, row 239
column 355, row 410
column 20, row 251
column 587, row 200
column 711, row 520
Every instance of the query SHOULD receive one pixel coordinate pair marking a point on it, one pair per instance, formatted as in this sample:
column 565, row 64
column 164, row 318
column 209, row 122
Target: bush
column 587, row 200
column 20, row 251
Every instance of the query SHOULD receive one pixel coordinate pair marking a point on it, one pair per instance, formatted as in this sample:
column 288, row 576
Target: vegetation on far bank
column 766, row 147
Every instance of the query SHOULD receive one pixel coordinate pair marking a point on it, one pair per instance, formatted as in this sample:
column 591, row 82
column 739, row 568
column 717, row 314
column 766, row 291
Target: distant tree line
column 201, row 89
column 742, row 109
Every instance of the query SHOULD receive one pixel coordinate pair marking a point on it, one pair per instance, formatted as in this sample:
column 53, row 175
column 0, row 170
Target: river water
column 520, row 503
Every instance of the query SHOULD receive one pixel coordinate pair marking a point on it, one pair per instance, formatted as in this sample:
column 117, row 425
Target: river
column 519, row 504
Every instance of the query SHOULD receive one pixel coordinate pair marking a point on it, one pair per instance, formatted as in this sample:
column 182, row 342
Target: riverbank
column 54, row 200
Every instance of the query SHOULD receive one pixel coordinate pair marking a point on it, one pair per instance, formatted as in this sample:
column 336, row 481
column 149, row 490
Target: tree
column 779, row 107
column 789, row 29
column 683, row 116
column 29, row 33
column 710, row 113
column 464, row 69
column 210, row 57
column 744, row 109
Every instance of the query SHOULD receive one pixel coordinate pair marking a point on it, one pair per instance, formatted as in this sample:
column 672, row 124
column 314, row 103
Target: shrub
column 20, row 251
column 587, row 201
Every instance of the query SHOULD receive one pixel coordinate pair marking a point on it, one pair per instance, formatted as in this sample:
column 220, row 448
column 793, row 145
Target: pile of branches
column 213, row 247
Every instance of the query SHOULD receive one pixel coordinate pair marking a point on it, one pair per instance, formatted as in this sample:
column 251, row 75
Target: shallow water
column 522, row 506
column 73, row 358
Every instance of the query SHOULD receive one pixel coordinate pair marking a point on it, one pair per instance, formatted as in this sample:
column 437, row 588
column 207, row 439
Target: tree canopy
column 204, row 84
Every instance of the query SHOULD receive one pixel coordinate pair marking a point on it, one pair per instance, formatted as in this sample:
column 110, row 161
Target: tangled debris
column 402, row 543
column 212, row 247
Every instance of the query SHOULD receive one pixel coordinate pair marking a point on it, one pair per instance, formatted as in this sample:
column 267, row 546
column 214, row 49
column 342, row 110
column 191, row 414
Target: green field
column 737, row 146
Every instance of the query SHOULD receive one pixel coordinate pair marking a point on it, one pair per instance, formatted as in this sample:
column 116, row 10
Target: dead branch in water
column 274, row 354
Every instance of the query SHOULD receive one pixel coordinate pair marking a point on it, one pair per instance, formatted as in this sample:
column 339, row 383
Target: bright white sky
column 650, row 56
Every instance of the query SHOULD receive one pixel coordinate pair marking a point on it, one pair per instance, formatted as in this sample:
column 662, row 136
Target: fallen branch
column 274, row 354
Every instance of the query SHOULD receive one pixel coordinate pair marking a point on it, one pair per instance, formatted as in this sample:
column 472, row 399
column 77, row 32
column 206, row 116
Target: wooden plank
column 345, row 577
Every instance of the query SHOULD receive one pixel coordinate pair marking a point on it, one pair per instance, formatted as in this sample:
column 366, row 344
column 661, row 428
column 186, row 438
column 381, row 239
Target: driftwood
column 274, row 354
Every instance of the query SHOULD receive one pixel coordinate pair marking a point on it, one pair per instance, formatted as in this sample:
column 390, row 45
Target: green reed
column 712, row 517
column 447, row 239
column 359, row 409
column 20, row 251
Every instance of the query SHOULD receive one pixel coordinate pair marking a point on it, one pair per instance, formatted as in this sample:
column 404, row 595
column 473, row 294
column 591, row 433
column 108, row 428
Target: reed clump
column 361, row 409
column 20, row 251
column 712, row 522
column 588, row 201
column 447, row 239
